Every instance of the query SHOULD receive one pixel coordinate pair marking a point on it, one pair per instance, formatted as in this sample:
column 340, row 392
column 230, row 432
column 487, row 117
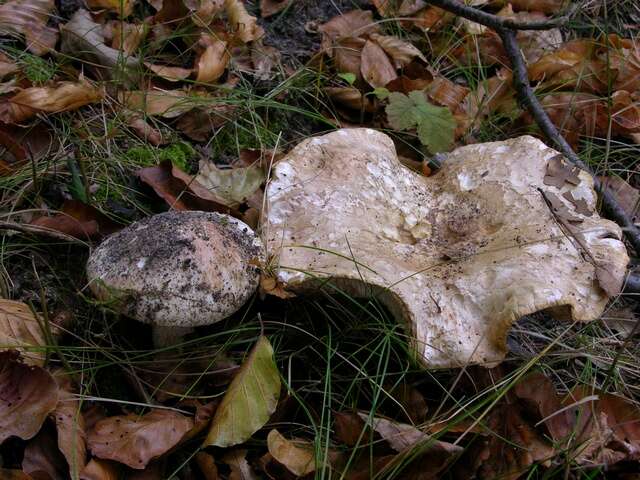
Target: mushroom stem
column 168, row 336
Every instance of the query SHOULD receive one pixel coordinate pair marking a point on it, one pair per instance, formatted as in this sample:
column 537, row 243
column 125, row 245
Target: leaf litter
column 123, row 55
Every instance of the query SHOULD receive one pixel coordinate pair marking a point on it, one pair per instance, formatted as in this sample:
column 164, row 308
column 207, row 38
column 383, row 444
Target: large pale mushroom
column 458, row 256
column 177, row 270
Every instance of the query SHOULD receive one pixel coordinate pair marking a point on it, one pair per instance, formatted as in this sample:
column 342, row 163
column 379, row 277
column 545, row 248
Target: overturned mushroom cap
column 459, row 256
column 178, row 269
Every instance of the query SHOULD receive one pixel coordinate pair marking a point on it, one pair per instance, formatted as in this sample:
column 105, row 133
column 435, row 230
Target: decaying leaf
column 213, row 61
column 560, row 172
column 166, row 103
column 233, row 185
column 627, row 196
column 250, row 399
column 269, row 285
column 401, row 51
column 27, row 396
column 19, row 328
column 42, row 458
column 298, row 457
column 207, row 465
column 172, row 74
column 271, row 7
column 135, row 440
column 244, row 25
column 400, row 436
column 70, row 425
column 63, row 97
column 29, row 18
column 98, row 469
column 435, row 125
column 128, row 36
column 78, row 220
column 121, row 7
column 375, row 66
column 11, row 474
column 240, row 468
column 351, row 24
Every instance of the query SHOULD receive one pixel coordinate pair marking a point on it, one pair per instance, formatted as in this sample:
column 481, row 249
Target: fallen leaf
column 264, row 59
column 29, row 18
column 432, row 18
column 165, row 103
column 78, row 220
column 70, row 425
column 298, row 457
column 27, row 395
column 544, row 6
column 123, row 8
column 98, row 469
column 240, row 468
column 199, row 123
column 144, row 130
column 62, row 97
column 401, row 51
column 250, row 399
column 213, row 61
column 626, row 196
column 135, row 440
column 347, row 55
column 399, row 436
column 270, row 285
column 203, row 12
column 8, row 474
column 232, row 186
column 7, row 65
column 19, row 329
column 128, row 36
column 244, row 25
column 375, row 66
column 351, row 24
column 560, row 172
column 413, row 403
column 172, row 74
column 271, row 7
column 42, row 458
column 174, row 187
column 207, row 465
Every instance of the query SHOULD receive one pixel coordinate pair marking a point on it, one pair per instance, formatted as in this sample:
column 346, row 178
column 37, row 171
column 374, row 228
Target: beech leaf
column 297, row 457
column 136, row 440
column 232, row 185
column 19, row 328
column 27, row 396
column 250, row 399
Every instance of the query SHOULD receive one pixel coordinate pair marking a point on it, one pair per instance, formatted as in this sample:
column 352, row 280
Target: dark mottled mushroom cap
column 178, row 269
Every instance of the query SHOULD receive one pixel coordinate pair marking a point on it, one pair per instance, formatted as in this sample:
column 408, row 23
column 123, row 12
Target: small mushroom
column 458, row 256
column 177, row 270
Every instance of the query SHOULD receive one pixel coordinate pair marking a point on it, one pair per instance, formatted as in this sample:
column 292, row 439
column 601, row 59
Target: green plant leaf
column 250, row 399
column 435, row 125
column 348, row 77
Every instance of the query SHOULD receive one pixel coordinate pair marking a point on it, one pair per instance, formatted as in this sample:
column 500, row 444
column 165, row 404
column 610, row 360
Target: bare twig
column 507, row 29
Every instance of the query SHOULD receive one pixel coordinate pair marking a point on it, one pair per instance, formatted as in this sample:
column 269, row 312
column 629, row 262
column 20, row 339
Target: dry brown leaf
column 198, row 124
column 376, row 67
column 401, row 51
column 7, row 66
column 70, row 425
column 166, row 103
column 351, row 24
column 123, row 8
column 560, row 172
column 432, row 18
column 240, row 468
column 271, row 7
column 62, row 97
column 19, row 328
column 244, row 25
column 29, row 18
column 350, row 97
column 172, row 74
column 399, row 436
column 544, row 6
column 269, row 285
column 347, row 55
column 8, row 474
column 42, row 458
column 174, row 187
column 264, row 59
column 27, row 396
column 627, row 196
column 207, row 465
column 98, row 469
column 136, row 440
column 144, row 130
column 297, row 456
column 213, row 60
column 203, row 12
column 78, row 220
column 128, row 36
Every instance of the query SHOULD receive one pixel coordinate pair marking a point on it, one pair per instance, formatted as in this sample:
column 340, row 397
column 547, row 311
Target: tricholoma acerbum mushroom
column 177, row 270
column 504, row 229
column 501, row 231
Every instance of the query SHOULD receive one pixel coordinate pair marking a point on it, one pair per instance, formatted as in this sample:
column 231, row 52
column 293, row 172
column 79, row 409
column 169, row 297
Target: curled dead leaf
column 20, row 329
column 244, row 25
column 401, row 51
column 27, row 396
column 78, row 220
column 213, row 60
column 62, row 97
column 29, row 18
column 172, row 74
column 351, row 24
column 297, row 456
column 136, row 440
column 376, row 68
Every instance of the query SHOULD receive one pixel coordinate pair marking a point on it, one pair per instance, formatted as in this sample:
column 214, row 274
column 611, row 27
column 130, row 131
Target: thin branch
column 499, row 23
column 507, row 29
